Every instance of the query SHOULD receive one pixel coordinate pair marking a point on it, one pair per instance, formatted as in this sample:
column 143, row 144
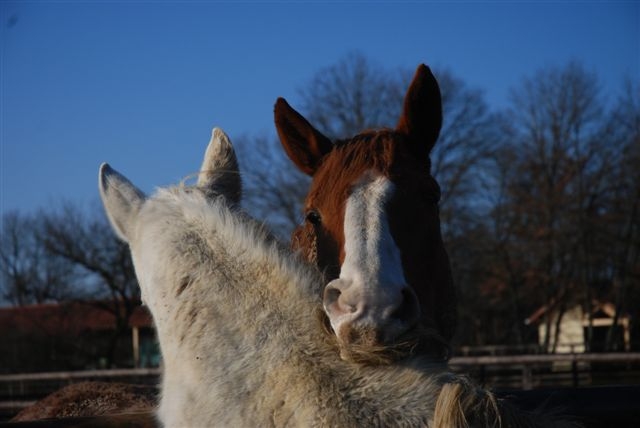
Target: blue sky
column 140, row 84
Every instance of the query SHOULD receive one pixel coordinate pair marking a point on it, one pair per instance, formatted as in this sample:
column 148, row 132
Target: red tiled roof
column 69, row 317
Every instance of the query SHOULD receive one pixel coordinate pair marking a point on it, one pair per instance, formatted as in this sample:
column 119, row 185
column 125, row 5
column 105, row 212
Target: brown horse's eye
column 313, row 217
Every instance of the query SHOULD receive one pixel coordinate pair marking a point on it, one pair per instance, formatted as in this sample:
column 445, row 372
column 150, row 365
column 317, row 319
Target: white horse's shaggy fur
column 237, row 317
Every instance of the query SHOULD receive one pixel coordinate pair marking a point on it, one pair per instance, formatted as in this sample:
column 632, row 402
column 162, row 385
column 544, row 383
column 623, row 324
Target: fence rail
column 550, row 370
column 81, row 375
column 505, row 372
column 545, row 358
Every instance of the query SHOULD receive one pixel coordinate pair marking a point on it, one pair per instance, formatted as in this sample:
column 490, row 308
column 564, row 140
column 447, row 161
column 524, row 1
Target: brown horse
column 372, row 225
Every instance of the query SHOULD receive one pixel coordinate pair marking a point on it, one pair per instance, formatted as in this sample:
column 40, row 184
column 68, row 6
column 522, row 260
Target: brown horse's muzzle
column 373, row 317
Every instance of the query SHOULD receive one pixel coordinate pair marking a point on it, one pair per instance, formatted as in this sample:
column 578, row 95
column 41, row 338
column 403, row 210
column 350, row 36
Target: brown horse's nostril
column 409, row 310
column 339, row 298
column 331, row 294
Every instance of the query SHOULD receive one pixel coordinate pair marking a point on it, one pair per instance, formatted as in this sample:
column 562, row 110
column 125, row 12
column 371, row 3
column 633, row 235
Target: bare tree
column 354, row 94
column 623, row 208
column 88, row 242
column 556, row 170
column 273, row 188
column 30, row 274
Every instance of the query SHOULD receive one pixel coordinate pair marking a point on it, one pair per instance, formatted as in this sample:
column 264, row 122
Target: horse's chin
column 364, row 347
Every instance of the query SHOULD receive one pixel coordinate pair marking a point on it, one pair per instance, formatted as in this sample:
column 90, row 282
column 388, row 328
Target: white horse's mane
column 241, row 233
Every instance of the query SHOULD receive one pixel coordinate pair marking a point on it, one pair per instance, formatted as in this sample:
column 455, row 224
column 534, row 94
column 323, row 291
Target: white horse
column 239, row 322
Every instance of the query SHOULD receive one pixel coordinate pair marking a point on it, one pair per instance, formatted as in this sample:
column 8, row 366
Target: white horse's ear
column 219, row 174
column 121, row 199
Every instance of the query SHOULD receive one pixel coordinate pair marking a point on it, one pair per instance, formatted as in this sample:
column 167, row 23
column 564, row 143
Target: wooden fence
column 526, row 372
column 500, row 372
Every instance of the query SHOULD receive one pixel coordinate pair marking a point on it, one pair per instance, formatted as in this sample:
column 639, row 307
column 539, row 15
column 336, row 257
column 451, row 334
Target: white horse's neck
column 236, row 314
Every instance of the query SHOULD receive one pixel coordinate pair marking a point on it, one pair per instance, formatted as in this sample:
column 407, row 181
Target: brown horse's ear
column 421, row 116
column 304, row 144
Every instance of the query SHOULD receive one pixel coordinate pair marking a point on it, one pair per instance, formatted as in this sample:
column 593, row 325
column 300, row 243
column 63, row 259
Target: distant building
column 574, row 324
column 74, row 335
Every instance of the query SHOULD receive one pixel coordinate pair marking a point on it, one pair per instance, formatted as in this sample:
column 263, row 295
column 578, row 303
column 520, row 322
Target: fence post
column 135, row 342
column 527, row 381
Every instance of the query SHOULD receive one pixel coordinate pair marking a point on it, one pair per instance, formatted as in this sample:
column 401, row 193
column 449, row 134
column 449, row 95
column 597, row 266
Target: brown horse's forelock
column 385, row 151
column 371, row 149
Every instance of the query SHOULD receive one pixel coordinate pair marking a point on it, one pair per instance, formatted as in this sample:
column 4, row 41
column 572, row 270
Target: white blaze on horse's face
column 371, row 290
